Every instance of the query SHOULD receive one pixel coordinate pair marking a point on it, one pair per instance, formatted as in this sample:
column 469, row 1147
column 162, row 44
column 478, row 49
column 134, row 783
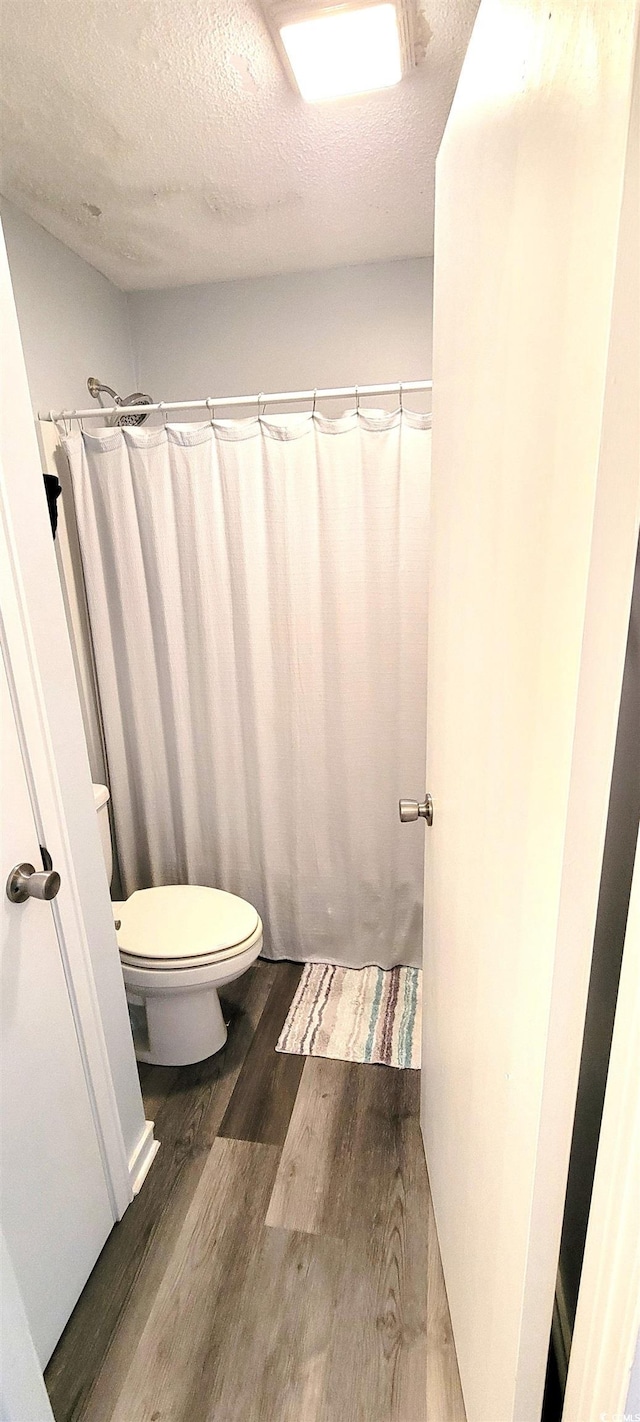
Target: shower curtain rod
column 287, row 397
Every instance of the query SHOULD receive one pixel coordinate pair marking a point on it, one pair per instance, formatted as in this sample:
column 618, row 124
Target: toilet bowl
column 178, row 945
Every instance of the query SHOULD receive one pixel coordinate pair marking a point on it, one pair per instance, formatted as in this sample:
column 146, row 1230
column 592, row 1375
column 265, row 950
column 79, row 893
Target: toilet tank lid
column 100, row 795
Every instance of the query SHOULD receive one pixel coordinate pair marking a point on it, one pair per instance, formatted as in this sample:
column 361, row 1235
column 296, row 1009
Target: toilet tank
column 101, row 797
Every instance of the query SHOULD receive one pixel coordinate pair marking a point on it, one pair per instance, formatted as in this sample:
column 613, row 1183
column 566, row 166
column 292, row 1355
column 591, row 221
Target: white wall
column 73, row 322
column 366, row 324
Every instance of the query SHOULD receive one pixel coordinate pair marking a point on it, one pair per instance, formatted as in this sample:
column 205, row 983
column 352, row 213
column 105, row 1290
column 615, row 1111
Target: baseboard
column 143, row 1157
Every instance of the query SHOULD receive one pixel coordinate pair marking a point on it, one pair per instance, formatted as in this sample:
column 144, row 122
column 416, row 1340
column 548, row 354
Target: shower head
column 96, row 388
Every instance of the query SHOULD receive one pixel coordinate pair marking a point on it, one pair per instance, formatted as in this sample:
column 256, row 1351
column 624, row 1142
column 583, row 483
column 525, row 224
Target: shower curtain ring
column 261, row 405
column 211, row 408
column 315, row 396
column 400, row 398
column 357, row 400
column 161, row 406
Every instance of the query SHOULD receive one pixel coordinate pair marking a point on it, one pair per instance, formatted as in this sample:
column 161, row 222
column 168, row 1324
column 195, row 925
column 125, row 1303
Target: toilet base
column 176, row 1017
column 176, row 1030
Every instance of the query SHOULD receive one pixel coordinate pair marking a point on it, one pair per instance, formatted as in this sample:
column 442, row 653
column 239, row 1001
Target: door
column 56, row 1210
column 534, row 527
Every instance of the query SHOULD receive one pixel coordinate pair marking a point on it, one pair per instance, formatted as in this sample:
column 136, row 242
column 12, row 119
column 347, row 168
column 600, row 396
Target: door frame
column 608, row 1312
column 40, row 671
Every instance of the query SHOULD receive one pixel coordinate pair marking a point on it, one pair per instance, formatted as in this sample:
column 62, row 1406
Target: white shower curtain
column 257, row 599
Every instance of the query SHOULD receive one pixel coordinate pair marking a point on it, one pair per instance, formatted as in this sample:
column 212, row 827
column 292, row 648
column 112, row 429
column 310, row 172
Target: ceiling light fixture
column 333, row 51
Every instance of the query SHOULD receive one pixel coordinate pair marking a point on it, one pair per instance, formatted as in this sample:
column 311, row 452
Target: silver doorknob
column 413, row 810
column 24, row 883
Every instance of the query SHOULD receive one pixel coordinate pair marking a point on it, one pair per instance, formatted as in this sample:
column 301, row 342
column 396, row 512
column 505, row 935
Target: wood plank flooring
column 281, row 1262
column 264, row 1115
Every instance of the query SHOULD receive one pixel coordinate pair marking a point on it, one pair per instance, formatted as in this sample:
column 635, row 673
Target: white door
column 534, row 530
column 56, row 1211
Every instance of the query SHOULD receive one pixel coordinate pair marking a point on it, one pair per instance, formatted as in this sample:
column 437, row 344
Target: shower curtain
column 257, row 601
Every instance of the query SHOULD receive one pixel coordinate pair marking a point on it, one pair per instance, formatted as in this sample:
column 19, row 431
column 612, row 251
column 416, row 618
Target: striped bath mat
column 356, row 1015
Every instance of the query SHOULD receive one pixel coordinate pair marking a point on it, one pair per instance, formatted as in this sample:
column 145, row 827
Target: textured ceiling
column 161, row 141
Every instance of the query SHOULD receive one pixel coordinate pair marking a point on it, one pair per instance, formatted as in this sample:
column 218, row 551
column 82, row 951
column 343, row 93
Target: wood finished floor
column 281, row 1262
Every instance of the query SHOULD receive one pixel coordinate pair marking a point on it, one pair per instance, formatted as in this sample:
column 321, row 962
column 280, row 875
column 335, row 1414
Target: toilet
column 178, row 945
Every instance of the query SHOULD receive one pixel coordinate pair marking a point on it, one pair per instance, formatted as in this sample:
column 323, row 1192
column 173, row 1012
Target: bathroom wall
column 73, row 322
column 368, row 324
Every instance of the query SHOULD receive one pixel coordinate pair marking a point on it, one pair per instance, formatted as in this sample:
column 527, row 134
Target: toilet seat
column 184, row 926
